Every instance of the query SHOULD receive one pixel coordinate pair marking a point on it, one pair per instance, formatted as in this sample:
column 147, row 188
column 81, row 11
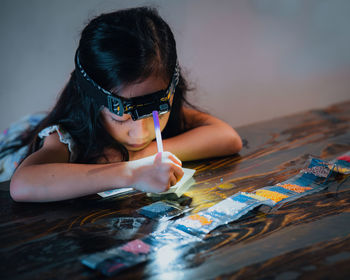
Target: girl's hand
column 156, row 173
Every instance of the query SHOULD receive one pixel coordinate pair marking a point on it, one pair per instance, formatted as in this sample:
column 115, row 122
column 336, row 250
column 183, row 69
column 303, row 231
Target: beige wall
column 249, row 60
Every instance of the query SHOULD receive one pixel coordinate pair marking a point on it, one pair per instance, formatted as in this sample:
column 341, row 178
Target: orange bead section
column 201, row 219
column 294, row 188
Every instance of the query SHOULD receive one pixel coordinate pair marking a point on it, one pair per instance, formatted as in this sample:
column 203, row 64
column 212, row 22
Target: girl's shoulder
column 11, row 137
column 64, row 137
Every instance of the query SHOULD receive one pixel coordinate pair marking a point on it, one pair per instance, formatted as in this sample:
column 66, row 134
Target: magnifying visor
column 138, row 107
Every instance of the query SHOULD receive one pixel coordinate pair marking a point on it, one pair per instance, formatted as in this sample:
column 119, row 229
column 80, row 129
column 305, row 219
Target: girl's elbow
column 18, row 191
column 239, row 144
column 234, row 144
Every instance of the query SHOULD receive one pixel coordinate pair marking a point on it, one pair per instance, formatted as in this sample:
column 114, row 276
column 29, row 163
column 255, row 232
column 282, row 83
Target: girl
column 100, row 134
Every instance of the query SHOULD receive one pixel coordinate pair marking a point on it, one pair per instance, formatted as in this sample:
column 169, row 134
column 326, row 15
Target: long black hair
column 115, row 49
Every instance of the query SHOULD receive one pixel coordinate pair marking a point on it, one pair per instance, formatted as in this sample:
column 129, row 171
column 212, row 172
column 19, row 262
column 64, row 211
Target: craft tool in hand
column 157, row 130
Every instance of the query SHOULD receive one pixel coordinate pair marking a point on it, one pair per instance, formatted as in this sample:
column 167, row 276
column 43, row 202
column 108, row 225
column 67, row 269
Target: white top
column 64, row 138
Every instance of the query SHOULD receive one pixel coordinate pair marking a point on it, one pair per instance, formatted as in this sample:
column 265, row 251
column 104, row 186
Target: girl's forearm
column 59, row 181
column 204, row 142
column 209, row 137
column 198, row 143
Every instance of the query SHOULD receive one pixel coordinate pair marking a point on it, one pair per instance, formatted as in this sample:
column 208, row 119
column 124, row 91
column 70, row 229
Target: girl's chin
column 135, row 148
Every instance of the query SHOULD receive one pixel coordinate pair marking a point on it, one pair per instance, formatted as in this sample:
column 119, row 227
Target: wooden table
column 305, row 239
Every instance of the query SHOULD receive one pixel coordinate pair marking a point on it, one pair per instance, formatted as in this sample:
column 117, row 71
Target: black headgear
column 138, row 107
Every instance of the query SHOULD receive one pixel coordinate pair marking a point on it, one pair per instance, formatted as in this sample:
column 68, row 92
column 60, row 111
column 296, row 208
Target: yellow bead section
column 204, row 221
column 275, row 196
column 252, row 195
column 294, row 188
column 339, row 169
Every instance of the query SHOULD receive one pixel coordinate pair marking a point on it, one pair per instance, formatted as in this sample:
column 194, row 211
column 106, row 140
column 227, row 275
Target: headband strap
column 137, row 107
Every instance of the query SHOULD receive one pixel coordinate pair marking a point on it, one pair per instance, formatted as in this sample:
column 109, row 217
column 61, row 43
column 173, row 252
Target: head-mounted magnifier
column 138, row 107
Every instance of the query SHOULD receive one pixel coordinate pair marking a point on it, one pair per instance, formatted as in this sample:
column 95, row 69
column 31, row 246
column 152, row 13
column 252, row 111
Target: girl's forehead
column 147, row 86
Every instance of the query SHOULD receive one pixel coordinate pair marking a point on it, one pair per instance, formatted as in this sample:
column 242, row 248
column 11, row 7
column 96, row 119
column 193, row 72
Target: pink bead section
column 345, row 158
column 136, row 247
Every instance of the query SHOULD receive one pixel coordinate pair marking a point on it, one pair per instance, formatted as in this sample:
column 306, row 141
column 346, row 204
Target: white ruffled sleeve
column 64, row 136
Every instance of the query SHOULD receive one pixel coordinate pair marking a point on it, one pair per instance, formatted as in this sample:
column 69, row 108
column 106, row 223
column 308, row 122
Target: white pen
column 157, row 130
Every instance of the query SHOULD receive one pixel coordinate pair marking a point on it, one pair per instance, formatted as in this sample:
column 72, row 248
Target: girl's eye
column 122, row 119
column 119, row 121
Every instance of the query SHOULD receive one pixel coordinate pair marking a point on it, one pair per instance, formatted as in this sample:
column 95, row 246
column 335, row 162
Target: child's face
column 135, row 135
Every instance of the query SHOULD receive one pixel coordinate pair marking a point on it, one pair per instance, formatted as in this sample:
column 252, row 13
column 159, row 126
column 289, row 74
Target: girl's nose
column 141, row 129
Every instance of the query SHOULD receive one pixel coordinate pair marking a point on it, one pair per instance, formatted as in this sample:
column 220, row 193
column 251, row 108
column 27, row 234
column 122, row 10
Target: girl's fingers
column 175, row 159
column 172, row 180
column 168, row 169
column 167, row 155
column 178, row 172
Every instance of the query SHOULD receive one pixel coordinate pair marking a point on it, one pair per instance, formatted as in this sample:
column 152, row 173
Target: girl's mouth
column 138, row 146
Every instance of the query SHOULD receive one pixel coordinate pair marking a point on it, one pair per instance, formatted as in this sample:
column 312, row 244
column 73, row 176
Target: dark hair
column 115, row 49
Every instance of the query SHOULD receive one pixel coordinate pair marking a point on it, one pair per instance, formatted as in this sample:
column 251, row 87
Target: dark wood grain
column 305, row 239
